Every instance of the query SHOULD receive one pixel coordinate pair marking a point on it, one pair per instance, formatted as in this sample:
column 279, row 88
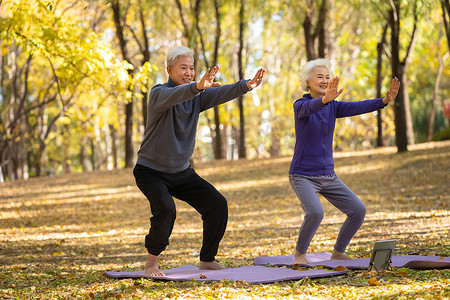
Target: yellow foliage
column 373, row 281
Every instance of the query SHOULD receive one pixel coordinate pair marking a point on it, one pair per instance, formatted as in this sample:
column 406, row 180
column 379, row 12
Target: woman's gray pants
column 338, row 194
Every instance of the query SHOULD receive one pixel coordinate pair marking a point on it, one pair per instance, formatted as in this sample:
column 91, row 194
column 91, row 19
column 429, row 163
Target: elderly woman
column 312, row 168
column 163, row 171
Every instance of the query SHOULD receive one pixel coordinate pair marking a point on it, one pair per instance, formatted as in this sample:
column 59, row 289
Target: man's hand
column 207, row 80
column 251, row 84
column 393, row 91
column 332, row 91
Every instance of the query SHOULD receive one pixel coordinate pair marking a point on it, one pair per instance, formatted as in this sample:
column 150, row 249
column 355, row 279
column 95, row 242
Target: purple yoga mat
column 252, row 274
column 398, row 261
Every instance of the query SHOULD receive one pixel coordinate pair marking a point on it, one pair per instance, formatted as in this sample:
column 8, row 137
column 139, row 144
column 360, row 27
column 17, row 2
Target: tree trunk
column 83, row 150
column 189, row 32
column 436, row 87
column 401, row 138
column 115, row 146
column 407, row 104
column 446, row 16
column 93, row 154
column 145, row 50
column 404, row 133
column 100, row 157
column 321, row 29
column 218, row 149
column 217, row 136
column 108, row 147
column 242, row 152
column 312, row 34
column 67, row 151
column 23, row 159
column 309, row 37
column 379, row 80
column 129, row 151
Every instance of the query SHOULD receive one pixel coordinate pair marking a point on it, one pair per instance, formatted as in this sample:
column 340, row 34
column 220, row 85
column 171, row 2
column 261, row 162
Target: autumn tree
column 379, row 80
column 404, row 133
column 47, row 60
column 55, row 64
column 120, row 23
column 242, row 151
column 314, row 28
column 441, row 60
column 445, row 4
column 217, row 139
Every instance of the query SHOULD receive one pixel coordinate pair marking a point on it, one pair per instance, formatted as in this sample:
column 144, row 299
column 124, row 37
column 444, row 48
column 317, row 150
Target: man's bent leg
column 213, row 208
column 163, row 212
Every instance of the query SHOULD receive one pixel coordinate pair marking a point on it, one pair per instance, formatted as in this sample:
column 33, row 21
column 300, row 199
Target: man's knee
column 166, row 211
column 218, row 206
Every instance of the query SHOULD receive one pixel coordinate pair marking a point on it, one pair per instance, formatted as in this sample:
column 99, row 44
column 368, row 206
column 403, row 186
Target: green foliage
column 442, row 135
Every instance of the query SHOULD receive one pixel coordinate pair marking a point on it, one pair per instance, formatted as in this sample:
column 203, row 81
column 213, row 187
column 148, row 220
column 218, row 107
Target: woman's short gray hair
column 307, row 69
column 174, row 53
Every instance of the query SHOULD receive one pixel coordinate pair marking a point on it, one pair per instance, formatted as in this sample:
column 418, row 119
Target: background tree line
column 74, row 74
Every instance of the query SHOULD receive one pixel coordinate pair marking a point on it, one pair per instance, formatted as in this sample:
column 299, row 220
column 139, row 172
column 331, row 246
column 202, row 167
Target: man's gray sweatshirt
column 172, row 118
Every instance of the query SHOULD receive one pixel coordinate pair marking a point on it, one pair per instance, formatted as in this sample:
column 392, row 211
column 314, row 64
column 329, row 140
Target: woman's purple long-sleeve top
column 314, row 129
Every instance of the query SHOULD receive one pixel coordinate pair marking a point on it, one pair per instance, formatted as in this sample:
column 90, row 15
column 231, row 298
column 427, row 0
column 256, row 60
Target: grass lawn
column 58, row 235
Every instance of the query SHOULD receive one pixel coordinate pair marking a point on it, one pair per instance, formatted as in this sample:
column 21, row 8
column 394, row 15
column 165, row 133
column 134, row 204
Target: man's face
column 182, row 71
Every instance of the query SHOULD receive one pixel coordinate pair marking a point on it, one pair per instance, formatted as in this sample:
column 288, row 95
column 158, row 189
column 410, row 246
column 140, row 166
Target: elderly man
column 163, row 170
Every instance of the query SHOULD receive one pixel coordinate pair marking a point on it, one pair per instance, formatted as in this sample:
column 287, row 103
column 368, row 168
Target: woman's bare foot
column 210, row 265
column 340, row 255
column 151, row 266
column 300, row 259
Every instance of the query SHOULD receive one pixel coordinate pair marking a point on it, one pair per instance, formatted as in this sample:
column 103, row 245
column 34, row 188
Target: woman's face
column 319, row 81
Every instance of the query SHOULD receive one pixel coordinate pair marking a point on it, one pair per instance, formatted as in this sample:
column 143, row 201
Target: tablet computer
column 381, row 255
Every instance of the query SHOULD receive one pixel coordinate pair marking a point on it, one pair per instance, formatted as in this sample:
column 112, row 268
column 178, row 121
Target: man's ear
column 169, row 70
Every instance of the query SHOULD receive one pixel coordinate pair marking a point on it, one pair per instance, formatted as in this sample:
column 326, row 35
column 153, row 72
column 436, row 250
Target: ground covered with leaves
column 58, row 235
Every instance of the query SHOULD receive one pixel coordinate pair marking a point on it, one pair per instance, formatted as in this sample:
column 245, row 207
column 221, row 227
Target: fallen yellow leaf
column 373, row 281
column 340, row 268
column 402, row 274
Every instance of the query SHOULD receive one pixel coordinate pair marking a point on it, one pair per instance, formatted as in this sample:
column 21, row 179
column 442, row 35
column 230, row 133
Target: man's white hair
column 174, row 53
column 307, row 70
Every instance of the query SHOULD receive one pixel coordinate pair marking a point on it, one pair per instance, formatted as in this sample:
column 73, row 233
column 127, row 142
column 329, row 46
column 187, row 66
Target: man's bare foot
column 151, row 266
column 210, row 265
column 340, row 255
column 300, row 259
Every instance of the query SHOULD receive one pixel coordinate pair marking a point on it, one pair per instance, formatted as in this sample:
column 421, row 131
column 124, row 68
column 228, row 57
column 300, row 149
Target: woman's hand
column 393, row 91
column 251, row 84
column 207, row 80
column 332, row 91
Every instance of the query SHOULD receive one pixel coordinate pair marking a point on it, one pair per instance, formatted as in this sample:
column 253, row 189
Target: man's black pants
column 187, row 186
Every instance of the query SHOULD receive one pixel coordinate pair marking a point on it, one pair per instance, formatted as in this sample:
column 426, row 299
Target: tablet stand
column 387, row 262
column 382, row 251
